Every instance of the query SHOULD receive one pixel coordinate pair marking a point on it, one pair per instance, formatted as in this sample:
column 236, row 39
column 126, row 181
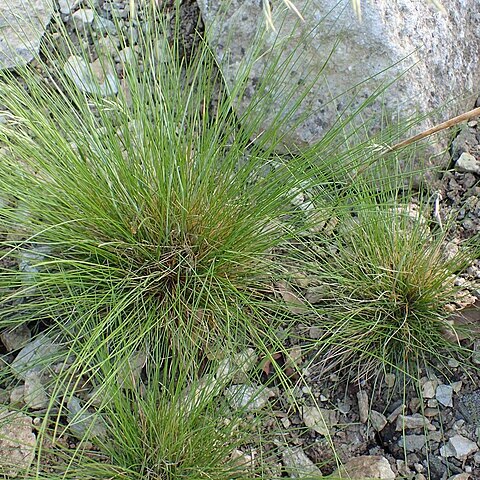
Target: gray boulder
column 22, row 25
column 437, row 52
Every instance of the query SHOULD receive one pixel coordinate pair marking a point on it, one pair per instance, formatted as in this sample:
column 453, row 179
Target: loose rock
column 412, row 443
column 83, row 17
column 236, row 368
column 428, row 388
column 444, row 395
column 319, row 419
column 362, row 398
column 412, row 422
column 378, row 420
column 129, row 375
column 16, row 337
column 82, row 423
column 390, row 379
column 360, row 468
column 103, row 25
column 66, row 6
column 17, row 443
column 459, row 447
column 248, row 397
column 95, row 78
column 298, row 465
column 34, row 394
column 35, row 356
column 22, row 27
column 468, row 163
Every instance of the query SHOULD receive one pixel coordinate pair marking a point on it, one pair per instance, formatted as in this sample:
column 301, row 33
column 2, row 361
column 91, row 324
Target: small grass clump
column 386, row 285
column 162, row 423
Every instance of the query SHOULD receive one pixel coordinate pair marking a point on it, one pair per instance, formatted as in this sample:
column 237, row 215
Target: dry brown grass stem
column 437, row 128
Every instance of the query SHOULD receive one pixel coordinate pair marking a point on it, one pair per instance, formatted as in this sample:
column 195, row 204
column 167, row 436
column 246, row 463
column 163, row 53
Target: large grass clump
column 151, row 201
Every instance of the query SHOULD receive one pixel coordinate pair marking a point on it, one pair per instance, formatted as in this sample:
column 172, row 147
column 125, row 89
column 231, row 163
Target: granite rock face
column 437, row 52
column 22, row 25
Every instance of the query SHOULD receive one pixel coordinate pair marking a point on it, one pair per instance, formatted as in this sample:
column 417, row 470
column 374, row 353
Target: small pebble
column 428, row 388
column 457, row 386
column 390, row 380
column 412, row 443
column 393, row 416
column 362, row 398
column 66, row 6
column 444, row 395
column 378, row 420
column 83, row 17
column 468, row 163
column 459, row 447
column 453, row 363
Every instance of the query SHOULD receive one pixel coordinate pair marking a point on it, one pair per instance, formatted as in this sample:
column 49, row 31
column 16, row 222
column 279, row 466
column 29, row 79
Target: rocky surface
column 22, row 26
column 406, row 37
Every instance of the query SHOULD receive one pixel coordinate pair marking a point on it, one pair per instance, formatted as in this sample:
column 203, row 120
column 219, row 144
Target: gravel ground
column 430, row 430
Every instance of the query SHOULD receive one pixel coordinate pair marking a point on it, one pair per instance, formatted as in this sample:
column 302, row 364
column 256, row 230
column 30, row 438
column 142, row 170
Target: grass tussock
column 386, row 286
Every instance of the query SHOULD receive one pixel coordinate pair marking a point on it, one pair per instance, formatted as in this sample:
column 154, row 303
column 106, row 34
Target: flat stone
column 378, row 420
column 428, row 388
column 457, row 386
column 319, row 419
column 452, row 362
column 35, row 356
column 468, row 163
column 16, row 337
column 298, row 465
column 236, row 367
column 460, row 476
column 412, row 443
column 66, row 6
column 34, row 394
column 444, row 395
column 83, row 17
column 82, row 423
column 362, row 467
column 390, row 379
column 412, row 422
column 393, row 416
column 129, row 374
column 103, row 25
column 22, row 25
column 316, row 332
column 16, row 395
column 96, row 78
column 17, row 443
column 430, row 412
column 459, row 447
column 362, row 399
column 248, row 397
